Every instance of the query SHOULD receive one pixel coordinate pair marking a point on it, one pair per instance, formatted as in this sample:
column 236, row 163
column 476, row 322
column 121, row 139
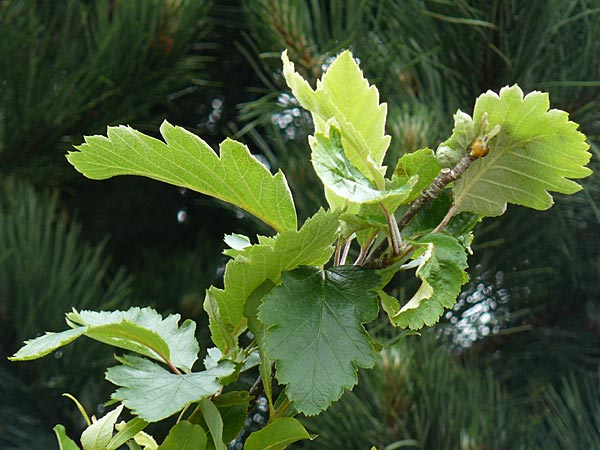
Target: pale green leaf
column 141, row 330
column 64, row 441
column 345, row 95
column 43, row 345
column 153, row 393
column 315, row 332
column 184, row 159
column 311, row 245
column 537, row 151
column 450, row 152
column 441, row 261
column 125, row 432
column 185, row 436
column 277, row 435
column 99, row 433
column 237, row 243
column 339, row 175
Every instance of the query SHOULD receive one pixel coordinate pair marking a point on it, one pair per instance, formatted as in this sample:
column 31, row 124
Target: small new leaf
column 153, row 393
column 315, row 332
column 98, row 434
column 536, row 151
column 441, row 267
column 185, row 160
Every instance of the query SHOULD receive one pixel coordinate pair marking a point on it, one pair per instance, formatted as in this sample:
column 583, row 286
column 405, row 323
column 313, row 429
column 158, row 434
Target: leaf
column 153, row 393
column 126, row 431
column 339, row 175
column 311, row 245
column 421, row 163
column 185, row 160
column 537, row 151
column 43, row 345
column 64, row 441
column 185, row 436
column 140, row 330
column 345, row 95
column 450, row 152
column 98, row 434
column 315, row 333
column 442, row 263
column 277, row 435
column 214, row 422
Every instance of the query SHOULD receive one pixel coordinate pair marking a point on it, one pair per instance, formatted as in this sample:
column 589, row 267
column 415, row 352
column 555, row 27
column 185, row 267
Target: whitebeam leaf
column 537, row 151
column 185, row 160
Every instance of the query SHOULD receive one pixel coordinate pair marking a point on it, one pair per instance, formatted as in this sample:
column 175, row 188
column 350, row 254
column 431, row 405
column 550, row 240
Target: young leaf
column 153, row 393
column 43, row 345
column 185, row 436
column 184, row 159
column 537, row 150
column 143, row 331
column 422, row 164
column 125, row 432
column 315, row 332
column 345, row 95
column 64, row 441
column 450, row 152
column 277, row 435
column 311, row 245
column 98, row 434
column 442, row 263
column 339, row 175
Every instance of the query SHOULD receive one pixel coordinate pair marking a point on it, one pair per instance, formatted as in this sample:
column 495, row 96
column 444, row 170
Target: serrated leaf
column 311, row 245
column 64, row 441
column 346, row 96
column 185, row 160
column 185, row 436
column 450, row 152
column 315, row 332
column 43, row 345
column 149, row 329
column 277, row 435
column 536, row 152
column 153, row 393
column 441, row 268
column 339, row 175
column 98, row 434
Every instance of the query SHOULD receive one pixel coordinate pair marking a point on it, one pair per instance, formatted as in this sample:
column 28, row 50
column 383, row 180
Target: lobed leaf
column 311, row 245
column 185, row 160
column 346, row 96
column 153, row 393
column 315, row 332
column 538, row 150
column 441, row 267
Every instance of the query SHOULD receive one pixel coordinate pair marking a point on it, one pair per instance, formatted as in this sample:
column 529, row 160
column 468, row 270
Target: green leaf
column 339, row 175
column 64, row 441
column 43, row 345
column 153, row 393
column 315, row 333
column 450, row 152
column 346, row 96
column 422, row 164
column 311, row 245
column 98, row 434
column 214, row 422
column 126, row 431
column 184, row 159
column 442, row 261
column 537, row 151
column 185, row 436
column 277, row 435
column 143, row 331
